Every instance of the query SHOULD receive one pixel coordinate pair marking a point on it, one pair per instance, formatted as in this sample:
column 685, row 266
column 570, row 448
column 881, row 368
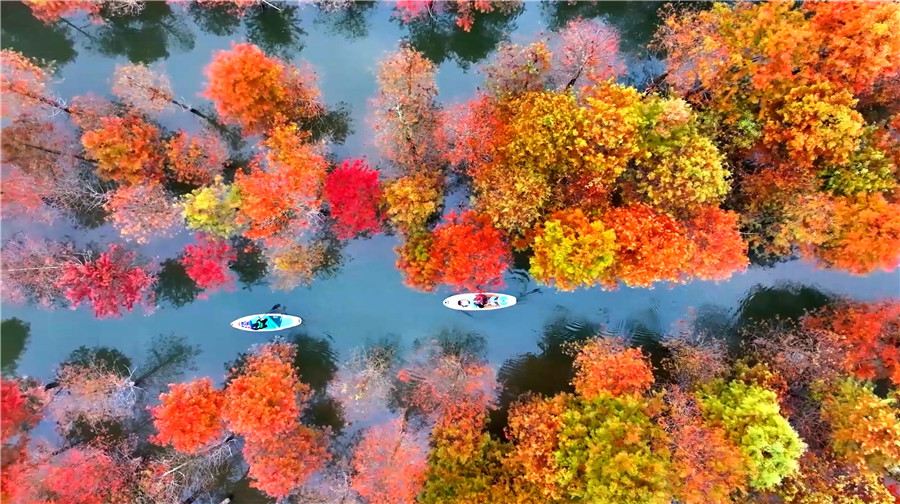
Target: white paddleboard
column 466, row 302
column 273, row 322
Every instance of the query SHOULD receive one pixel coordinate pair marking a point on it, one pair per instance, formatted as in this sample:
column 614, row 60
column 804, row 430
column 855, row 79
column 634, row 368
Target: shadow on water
column 786, row 303
column 14, row 335
column 455, row 343
column 439, row 38
column 635, row 21
column 143, row 37
column 174, row 286
column 24, row 33
column 334, row 125
column 546, row 373
column 214, row 19
column 107, row 358
column 276, row 31
column 351, row 22
column 249, row 264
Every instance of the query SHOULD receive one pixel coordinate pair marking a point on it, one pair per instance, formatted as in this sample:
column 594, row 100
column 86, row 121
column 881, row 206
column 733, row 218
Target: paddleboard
column 274, row 322
column 466, row 302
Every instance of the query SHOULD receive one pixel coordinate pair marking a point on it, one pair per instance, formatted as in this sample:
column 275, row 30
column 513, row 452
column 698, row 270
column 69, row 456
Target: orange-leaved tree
column 283, row 193
column 865, row 428
column 51, row 11
column 413, row 199
column 258, row 92
column 533, row 429
column 414, row 260
column 279, row 465
column 264, row 398
column 197, row 159
column 651, row 246
column 719, row 249
column 605, row 366
column 128, row 149
column 864, row 235
column 864, row 336
column 469, row 252
column 813, row 123
column 707, row 467
column 389, row 463
column 189, row 417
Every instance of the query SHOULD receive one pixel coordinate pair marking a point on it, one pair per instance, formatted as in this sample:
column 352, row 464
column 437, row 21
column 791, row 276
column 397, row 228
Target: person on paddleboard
column 259, row 323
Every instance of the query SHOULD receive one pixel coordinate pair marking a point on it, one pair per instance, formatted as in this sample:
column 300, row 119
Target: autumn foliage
column 719, row 249
column 50, row 11
column 110, row 282
column 143, row 210
column 196, row 160
column 265, row 396
column 405, row 114
column 571, row 251
column 605, row 366
column 278, row 466
column 469, row 252
column 651, row 246
column 389, row 463
column 354, row 196
column 128, row 150
column 865, row 336
column 281, row 191
column 258, row 92
column 207, row 261
column 189, row 416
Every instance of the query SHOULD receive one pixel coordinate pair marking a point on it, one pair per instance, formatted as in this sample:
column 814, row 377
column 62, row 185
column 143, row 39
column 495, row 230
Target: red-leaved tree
column 469, row 252
column 354, row 195
column 207, row 261
column 589, row 52
column 111, row 282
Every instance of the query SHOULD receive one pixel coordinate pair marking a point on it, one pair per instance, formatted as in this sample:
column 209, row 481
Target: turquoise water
column 364, row 299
